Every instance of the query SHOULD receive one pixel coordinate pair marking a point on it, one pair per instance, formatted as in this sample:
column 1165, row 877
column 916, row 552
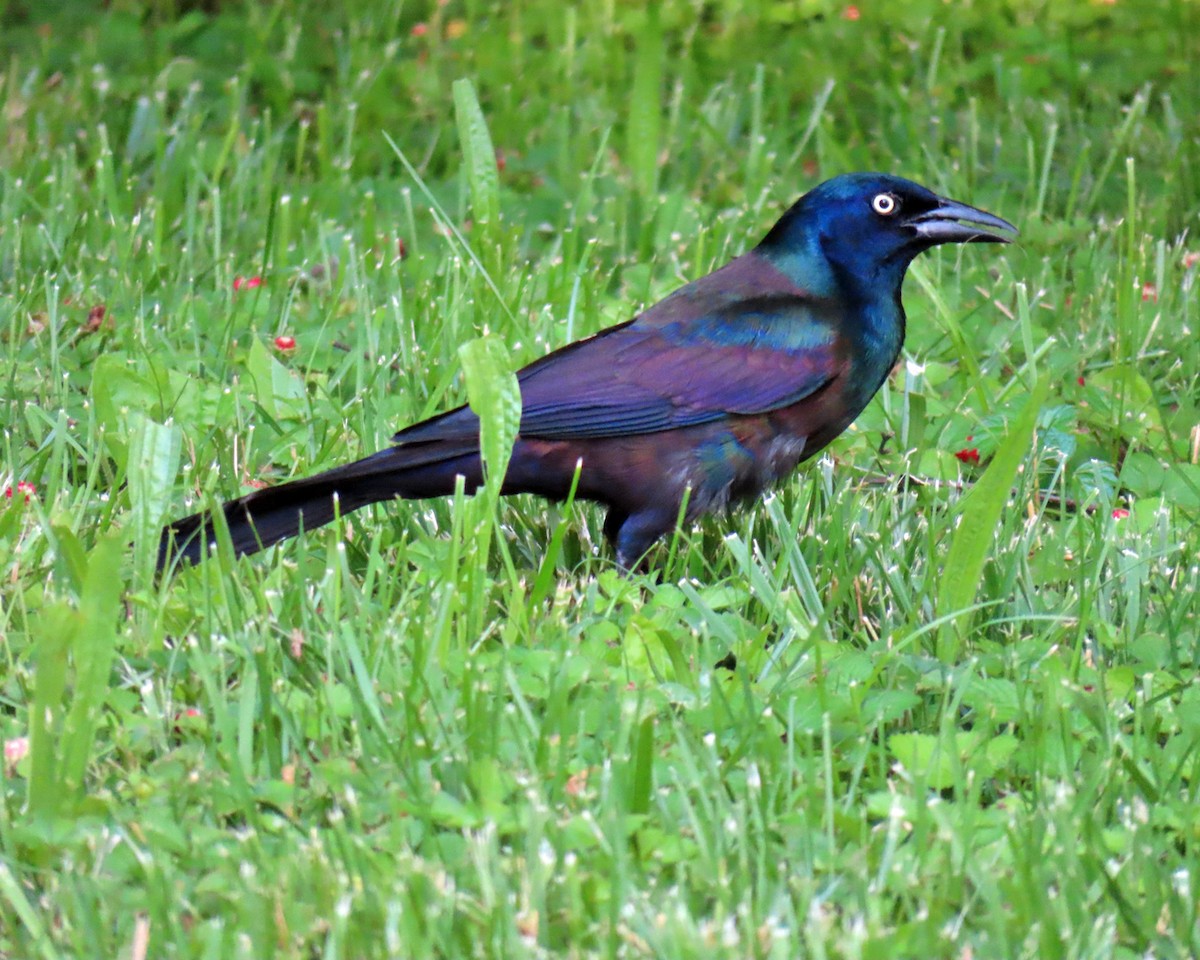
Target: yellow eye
column 884, row 204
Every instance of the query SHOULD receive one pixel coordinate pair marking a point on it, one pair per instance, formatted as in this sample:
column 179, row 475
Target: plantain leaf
column 153, row 459
column 478, row 153
column 495, row 397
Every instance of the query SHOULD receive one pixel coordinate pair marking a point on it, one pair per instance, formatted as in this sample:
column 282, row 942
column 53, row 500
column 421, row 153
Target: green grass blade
column 643, row 767
column 979, row 512
column 93, row 649
column 449, row 222
column 62, row 725
column 644, row 131
column 56, row 627
column 11, row 890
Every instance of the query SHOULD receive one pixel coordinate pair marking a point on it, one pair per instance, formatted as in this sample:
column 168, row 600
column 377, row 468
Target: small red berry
column 285, row 343
column 419, row 29
column 24, row 487
column 1149, row 292
column 189, row 718
column 968, row 456
column 851, row 13
column 95, row 319
column 246, row 283
column 1120, row 513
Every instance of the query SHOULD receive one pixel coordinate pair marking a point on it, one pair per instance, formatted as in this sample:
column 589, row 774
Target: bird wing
column 743, row 359
column 684, row 362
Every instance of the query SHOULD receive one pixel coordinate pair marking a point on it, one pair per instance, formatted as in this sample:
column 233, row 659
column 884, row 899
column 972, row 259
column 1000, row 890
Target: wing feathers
column 696, row 357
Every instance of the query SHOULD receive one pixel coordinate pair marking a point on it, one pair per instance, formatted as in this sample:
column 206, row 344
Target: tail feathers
column 263, row 518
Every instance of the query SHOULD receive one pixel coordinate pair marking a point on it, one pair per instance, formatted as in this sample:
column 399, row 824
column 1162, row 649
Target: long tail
column 263, row 518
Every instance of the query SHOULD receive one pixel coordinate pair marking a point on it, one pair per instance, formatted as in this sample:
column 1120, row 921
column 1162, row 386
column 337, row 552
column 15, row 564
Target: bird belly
column 746, row 455
column 736, row 462
column 709, row 466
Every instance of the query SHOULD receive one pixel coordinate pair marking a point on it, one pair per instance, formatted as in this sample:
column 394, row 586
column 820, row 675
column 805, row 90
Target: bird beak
column 942, row 224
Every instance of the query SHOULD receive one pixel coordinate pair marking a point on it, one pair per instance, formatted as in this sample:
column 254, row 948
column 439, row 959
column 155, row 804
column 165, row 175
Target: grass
column 451, row 729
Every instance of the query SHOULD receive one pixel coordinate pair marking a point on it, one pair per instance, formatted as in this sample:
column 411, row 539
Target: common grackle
column 712, row 394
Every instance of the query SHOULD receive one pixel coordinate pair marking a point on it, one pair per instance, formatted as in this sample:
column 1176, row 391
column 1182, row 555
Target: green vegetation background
column 451, row 729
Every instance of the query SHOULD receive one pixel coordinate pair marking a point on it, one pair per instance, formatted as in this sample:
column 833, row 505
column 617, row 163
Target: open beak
column 954, row 222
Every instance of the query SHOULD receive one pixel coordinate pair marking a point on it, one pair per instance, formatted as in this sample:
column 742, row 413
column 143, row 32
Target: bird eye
column 885, row 204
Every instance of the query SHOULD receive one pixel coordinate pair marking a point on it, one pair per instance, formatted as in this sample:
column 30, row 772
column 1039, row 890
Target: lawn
column 245, row 241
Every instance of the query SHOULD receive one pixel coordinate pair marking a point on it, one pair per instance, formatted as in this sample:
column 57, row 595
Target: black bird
column 714, row 393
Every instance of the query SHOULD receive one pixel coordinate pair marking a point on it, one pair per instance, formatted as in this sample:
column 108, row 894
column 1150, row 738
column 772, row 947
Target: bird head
column 869, row 227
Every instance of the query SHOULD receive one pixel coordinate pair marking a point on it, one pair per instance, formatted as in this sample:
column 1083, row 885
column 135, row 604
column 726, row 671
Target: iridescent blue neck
column 802, row 261
column 868, row 288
